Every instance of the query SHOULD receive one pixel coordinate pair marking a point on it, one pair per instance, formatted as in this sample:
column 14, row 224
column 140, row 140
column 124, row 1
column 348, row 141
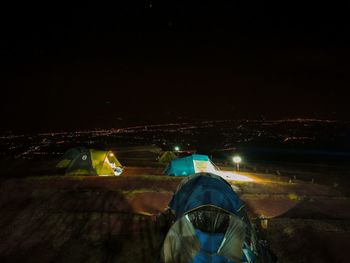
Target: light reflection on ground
column 234, row 176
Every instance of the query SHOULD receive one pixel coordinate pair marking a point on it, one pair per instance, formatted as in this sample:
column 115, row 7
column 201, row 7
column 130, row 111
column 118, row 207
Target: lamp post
column 237, row 160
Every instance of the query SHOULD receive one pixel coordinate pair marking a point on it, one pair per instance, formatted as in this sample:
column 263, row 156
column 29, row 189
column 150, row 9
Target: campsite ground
column 107, row 219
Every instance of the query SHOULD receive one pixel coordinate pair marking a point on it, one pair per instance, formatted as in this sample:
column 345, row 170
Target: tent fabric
column 210, row 219
column 195, row 163
column 167, row 157
column 204, row 189
column 182, row 243
column 205, row 258
column 209, row 226
column 210, row 243
column 102, row 160
column 82, row 161
column 81, row 165
column 69, row 156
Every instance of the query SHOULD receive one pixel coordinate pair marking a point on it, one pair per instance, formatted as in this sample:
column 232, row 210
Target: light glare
column 237, row 159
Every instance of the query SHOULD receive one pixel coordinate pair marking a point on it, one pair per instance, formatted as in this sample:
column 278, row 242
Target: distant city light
column 111, row 154
column 177, row 148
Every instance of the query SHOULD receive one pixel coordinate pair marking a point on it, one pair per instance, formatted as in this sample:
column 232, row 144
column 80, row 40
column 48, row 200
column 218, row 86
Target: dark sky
column 91, row 64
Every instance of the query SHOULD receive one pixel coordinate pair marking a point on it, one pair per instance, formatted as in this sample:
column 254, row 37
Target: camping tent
column 82, row 161
column 70, row 155
column 195, row 163
column 216, row 190
column 167, row 157
column 210, row 224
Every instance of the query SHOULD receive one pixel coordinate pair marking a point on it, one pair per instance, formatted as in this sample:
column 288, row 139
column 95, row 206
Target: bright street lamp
column 237, row 160
column 177, row 148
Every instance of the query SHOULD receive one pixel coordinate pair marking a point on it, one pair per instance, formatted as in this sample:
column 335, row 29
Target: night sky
column 83, row 65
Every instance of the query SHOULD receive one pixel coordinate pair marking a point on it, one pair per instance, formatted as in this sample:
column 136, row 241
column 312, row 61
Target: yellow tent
column 167, row 157
column 81, row 161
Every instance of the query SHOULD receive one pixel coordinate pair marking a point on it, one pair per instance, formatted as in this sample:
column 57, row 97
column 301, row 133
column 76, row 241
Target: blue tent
column 208, row 226
column 204, row 189
column 188, row 165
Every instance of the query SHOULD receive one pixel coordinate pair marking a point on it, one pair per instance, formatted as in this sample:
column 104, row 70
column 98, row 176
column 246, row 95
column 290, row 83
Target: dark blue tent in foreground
column 210, row 224
column 208, row 189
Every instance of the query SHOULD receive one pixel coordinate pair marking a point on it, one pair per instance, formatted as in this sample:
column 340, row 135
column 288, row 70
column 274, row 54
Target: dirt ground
column 306, row 222
column 107, row 219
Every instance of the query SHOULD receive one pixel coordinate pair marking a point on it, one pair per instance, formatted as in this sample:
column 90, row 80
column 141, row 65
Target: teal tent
column 195, row 163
